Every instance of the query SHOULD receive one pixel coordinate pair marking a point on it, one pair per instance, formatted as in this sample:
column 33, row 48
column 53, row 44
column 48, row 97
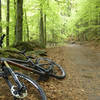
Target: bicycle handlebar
column 1, row 40
column 23, row 53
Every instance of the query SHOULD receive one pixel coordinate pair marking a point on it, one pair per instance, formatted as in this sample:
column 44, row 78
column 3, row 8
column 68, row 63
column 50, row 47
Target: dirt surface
column 82, row 67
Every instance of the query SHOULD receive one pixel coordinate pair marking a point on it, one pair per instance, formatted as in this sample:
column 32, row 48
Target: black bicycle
column 42, row 66
column 21, row 86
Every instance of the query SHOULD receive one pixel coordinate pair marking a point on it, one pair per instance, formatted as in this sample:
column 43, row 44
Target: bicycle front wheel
column 35, row 92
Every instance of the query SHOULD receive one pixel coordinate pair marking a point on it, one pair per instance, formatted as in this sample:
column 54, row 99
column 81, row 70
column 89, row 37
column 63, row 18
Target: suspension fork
column 14, row 77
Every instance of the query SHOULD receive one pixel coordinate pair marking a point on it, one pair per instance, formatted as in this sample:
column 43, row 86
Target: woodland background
column 45, row 21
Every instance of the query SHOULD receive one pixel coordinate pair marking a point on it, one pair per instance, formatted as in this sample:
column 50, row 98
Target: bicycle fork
column 18, row 91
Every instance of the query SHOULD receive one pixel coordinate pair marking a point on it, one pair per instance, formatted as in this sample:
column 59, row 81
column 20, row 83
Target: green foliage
column 53, row 10
column 78, row 18
column 84, row 19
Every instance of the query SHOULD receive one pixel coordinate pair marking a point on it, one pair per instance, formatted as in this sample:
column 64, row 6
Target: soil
column 82, row 67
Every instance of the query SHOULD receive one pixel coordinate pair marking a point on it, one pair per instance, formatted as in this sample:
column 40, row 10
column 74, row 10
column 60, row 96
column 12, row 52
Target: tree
column 0, row 18
column 45, row 34
column 84, row 20
column 15, row 17
column 7, row 28
column 27, row 26
column 19, row 24
column 42, row 35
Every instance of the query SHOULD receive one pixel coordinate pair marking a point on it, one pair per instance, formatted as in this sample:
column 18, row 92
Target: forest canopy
column 49, row 20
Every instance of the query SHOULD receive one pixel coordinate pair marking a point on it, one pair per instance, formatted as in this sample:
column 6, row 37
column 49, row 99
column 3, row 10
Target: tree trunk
column 7, row 28
column 27, row 26
column 0, row 18
column 53, row 35
column 45, row 36
column 15, row 19
column 42, row 30
column 19, row 24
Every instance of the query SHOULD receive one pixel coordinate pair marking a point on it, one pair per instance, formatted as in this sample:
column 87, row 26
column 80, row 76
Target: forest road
column 82, row 65
column 82, row 82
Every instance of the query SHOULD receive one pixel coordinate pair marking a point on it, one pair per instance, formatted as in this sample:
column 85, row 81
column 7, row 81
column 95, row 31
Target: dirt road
column 82, row 82
column 83, row 72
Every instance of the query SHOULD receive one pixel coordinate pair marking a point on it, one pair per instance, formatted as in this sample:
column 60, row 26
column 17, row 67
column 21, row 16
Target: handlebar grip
column 2, row 37
column 1, row 40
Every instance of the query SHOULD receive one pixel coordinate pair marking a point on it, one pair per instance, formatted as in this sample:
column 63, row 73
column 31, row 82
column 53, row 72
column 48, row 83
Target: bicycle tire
column 33, row 88
column 54, row 64
column 35, row 84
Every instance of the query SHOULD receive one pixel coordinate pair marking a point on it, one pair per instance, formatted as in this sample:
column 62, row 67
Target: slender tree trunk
column 28, row 33
column 19, row 24
column 7, row 28
column 53, row 35
column 15, row 18
column 45, row 36
column 0, row 18
column 42, row 29
column 27, row 26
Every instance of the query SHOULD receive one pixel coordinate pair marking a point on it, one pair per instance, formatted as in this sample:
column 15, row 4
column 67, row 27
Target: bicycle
column 41, row 66
column 21, row 86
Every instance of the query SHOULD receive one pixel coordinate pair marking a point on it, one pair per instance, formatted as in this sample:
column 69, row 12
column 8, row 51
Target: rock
column 28, row 46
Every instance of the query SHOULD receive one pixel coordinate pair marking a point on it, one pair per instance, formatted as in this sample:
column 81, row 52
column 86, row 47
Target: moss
column 11, row 53
column 40, row 52
column 28, row 46
column 14, row 53
column 37, row 53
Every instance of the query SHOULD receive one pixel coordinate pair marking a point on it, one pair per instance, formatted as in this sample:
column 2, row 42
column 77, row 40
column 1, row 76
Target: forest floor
column 82, row 66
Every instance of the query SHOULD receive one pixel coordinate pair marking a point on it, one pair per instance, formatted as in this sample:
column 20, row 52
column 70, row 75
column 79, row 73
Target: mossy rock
column 11, row 53
column 28, row 46
column 10, row 49
column 37, row 53
column 30, row 53
column 14, row 53
column 40, row 52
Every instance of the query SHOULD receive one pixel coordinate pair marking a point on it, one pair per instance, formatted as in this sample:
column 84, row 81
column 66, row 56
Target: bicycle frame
column 33, row 67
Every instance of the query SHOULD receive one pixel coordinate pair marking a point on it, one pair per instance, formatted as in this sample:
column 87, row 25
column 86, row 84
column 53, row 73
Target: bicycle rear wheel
column 56, row 71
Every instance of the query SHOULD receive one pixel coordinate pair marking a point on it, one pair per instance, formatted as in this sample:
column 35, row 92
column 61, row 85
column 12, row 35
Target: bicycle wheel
column 56, row 71
column 34, row 91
